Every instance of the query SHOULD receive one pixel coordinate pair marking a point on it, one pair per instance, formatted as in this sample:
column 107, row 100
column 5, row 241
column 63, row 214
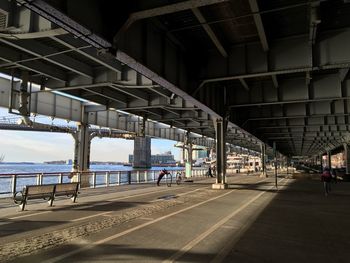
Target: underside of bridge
column 276, row 70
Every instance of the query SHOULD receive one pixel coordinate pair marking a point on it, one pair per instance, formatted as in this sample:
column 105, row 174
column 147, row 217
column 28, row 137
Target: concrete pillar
column 220, row 130
column 263, row 160
column 254, row 164
column 142, row 152
column 81, row 162
column 183, row 155
column 329, row 159
column 188, row 164
column 24, row 96
column 347, row 157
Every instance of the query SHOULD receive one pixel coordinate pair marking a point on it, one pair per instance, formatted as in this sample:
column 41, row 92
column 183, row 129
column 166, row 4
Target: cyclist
column 161, row 175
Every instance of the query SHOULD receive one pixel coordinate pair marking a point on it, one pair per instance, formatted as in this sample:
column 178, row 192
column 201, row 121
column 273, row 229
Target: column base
column 217, row 186
column 263, row 175
column 84, row 179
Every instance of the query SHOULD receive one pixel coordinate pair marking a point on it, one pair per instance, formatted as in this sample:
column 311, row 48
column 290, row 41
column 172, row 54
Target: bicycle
column 168, row 179
column 179, row 178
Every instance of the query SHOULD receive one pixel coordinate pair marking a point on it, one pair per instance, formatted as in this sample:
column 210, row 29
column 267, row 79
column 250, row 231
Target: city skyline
column 25, row 146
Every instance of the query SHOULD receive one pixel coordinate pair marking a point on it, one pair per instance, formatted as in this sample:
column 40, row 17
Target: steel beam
column 209, row 31
column 259, row 24
column 138, row 94
column 91, row 54
column 60, row 19
column 41, row 51
column 244, row 84
column 343, row 73
column 12, row 56
column 274, row 81
column 163, row 10
column 288, row 102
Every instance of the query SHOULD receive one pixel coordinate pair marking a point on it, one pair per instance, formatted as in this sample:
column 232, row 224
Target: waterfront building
column 158, row 159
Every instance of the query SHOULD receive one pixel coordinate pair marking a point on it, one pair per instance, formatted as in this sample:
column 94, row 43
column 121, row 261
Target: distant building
column 197, row 153
column 202, row 154
column 158, row 159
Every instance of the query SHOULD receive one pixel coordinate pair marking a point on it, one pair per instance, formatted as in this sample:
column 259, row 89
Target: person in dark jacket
column 326, row 178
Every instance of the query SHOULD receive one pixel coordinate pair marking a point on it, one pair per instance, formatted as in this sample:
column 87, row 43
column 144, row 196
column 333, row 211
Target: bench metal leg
column 23, row 204
column 50, row 200
column 74, row 197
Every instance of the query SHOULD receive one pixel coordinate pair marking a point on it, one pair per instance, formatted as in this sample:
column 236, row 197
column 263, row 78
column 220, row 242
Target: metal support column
column 188, row 162
column 263, row 160
column 275, row 161
column 347, row 157
column 329, row 159
column 81, row 162
column 220, row 130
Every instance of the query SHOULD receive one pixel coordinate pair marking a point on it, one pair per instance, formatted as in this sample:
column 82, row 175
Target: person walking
column 210, row 172
column 326, row 178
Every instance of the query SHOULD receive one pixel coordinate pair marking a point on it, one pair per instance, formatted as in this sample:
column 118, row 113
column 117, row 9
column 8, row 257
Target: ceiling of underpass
column 277, row 69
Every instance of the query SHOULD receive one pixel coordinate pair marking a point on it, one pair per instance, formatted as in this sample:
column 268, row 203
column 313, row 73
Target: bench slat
column 47, row 191
column 39, row 189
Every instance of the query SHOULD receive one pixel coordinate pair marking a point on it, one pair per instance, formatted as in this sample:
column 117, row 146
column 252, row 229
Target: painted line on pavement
column 222, row 254
column 123, row 233
column 108, row 212
column 199, row 238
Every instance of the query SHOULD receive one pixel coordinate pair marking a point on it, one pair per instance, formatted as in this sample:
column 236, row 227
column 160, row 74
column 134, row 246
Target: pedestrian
column 326, row 178
column 210, row 172
column 161, row 175
column 334, row 176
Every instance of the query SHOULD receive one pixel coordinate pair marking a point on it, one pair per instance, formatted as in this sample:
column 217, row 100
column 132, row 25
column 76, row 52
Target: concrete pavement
column 249, row 222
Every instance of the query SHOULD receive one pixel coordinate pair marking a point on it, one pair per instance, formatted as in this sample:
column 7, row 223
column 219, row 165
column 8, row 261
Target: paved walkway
column 249, row 222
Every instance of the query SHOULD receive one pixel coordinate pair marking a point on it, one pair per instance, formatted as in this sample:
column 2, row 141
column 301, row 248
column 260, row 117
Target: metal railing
column 14, row 182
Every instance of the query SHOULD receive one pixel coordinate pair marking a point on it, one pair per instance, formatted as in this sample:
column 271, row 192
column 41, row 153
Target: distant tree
column 2, row 157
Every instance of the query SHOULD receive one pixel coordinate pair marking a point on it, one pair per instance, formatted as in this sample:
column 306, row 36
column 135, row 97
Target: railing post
column 146, row 175
column 107, row 178
column 118, row 178
column 138, row 176
column 60, row 178
column 14, row 183
column 79, row 178
column 129, row 177
column 39, row 179
column 93, row 180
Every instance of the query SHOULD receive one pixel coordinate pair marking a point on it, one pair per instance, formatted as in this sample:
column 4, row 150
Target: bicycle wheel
column 178, row 178
column 168, row 179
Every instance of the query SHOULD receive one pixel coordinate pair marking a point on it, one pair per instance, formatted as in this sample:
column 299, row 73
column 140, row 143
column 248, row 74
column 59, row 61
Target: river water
column 49, row 168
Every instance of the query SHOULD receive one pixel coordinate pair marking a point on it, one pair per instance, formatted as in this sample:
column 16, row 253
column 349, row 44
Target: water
column 49, row 168
column 34, row 169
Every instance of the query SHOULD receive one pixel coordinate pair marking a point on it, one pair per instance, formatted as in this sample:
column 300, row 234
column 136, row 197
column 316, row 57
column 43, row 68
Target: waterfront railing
column 14, row 182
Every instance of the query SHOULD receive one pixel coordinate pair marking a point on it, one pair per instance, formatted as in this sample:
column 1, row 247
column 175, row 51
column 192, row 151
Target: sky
column 22, row 146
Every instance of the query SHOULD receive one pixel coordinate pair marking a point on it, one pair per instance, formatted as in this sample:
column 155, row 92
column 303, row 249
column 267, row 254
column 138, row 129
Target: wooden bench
column 48, row 192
